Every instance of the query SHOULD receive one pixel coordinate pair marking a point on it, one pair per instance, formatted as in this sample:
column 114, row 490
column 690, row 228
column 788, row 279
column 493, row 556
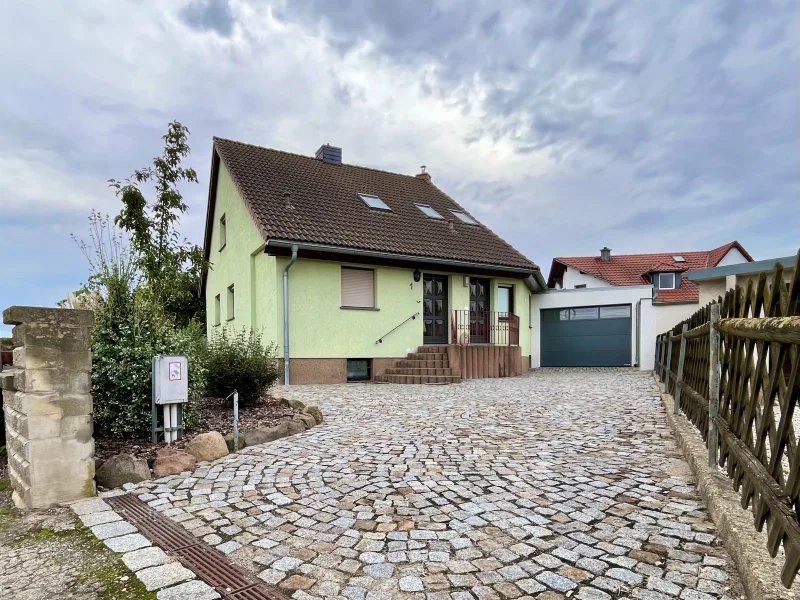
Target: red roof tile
column 631, row 269
column 326, row 209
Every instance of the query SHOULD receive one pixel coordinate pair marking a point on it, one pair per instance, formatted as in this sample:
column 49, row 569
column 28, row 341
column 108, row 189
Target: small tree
column 171, row 267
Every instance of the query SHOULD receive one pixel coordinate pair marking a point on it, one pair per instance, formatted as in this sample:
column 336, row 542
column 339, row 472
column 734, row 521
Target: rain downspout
column 286, row 315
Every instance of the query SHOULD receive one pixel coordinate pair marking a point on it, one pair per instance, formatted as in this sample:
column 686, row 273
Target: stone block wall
column 48, row 406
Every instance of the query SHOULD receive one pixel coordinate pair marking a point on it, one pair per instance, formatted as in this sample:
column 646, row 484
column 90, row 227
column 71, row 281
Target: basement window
column 464, row 217
column 359, row 369
column 374, row 202
column 429, row 211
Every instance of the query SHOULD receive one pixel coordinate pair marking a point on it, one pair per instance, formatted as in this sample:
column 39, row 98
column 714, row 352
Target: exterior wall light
column 417, row 275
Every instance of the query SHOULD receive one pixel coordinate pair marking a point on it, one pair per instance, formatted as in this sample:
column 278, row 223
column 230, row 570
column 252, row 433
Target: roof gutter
column 279, row 243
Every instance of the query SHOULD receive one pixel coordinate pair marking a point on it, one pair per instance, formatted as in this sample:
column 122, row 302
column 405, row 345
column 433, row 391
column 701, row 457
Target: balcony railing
column 484, row 327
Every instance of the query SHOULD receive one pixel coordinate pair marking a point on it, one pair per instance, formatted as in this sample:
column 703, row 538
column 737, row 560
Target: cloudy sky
column 564, row 126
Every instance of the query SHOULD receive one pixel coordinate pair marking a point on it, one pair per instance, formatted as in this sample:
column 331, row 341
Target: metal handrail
column 411, row 318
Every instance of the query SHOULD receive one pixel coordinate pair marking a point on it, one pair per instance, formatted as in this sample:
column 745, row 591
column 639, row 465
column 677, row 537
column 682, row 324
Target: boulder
column 262, row 435
column 121, row 469
column 309, row 420
column 296, row 425
column 171, row 461
column 242, row 441
column 297, row 404
column 315, row 412
column 207, row 446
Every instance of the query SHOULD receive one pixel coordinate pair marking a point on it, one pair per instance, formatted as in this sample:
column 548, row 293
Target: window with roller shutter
column 358, row 288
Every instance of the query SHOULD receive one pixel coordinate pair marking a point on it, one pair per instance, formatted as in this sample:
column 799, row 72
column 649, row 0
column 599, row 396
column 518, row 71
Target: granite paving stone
column 560, row 482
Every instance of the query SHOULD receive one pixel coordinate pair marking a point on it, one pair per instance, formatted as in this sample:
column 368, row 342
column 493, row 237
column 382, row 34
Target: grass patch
column 107, row 568
column 4, row 485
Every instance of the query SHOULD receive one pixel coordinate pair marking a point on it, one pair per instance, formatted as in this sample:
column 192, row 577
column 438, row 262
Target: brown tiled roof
column 326, row 208
column 632, row 269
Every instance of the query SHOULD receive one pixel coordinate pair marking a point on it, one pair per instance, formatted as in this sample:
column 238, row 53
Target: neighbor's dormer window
column 429, row 211
column 666, row 281
column 374, row 202
column 464, row 217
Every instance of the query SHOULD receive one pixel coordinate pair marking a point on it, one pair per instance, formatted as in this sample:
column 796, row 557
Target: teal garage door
column 586, row 336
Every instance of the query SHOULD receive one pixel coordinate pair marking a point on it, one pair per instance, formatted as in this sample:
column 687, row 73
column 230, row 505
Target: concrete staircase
column 429, row 364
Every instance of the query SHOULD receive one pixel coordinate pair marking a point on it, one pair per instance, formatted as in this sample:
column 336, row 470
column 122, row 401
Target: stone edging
column 157, row 570
column 760, row 574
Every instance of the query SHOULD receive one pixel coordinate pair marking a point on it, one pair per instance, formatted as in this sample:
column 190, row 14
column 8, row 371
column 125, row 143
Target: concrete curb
column 759, row 573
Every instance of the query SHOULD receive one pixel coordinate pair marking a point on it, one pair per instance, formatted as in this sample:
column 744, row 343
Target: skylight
column 464, row 217
column 678, row 258
column 429, row 211
column 374, row 202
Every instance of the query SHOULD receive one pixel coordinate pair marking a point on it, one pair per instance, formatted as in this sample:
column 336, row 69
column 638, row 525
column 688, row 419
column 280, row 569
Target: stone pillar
column 48, row 406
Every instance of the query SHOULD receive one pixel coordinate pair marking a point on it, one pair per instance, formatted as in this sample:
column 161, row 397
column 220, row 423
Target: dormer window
column 666, row 281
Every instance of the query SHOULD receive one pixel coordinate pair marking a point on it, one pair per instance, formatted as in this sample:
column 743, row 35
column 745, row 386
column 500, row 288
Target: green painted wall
column 320, row 328
column 241, row 262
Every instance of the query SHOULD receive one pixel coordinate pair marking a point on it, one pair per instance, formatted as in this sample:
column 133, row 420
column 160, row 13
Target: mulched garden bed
column 215, row 414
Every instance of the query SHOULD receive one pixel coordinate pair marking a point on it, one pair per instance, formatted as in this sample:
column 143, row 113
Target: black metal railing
column 411, row 318
column 484, row 327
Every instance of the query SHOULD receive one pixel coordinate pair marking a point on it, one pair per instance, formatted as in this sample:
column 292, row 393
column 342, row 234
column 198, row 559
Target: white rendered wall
column 573, row 277
column 669, row 315
column 733, row 257
column 601, row 297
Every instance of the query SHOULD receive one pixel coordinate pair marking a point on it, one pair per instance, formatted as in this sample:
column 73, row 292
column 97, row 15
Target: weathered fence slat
column 737, row 379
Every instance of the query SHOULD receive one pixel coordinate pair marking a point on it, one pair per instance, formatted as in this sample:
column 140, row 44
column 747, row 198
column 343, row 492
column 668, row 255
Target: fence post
column 679, row 380
column 669, row 362
column 661, row 349
column 713, row 388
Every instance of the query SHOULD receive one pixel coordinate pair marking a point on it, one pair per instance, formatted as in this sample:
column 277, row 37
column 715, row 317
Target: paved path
column 562, row 482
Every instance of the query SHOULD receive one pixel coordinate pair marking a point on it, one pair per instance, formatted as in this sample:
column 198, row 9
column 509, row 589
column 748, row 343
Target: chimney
column 329, row 154
column 605, row 254
column 424, row 175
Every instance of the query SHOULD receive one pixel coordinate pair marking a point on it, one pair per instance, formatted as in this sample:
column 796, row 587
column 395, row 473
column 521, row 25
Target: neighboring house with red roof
column 358, row 273
column 675, row 297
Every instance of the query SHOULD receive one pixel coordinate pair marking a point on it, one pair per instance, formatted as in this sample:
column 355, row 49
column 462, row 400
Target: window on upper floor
column 217, row 309
column 429, row 211
column 666, row 281
column 230, row 303
column 223, row 232
column 358, row 288
column 464, row 217
column 374, row 202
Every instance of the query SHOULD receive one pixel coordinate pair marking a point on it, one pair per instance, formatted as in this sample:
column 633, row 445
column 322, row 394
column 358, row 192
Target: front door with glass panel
column 479, row 315
column 434, row 309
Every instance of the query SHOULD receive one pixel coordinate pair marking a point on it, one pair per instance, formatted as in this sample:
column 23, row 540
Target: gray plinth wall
column 48, row 406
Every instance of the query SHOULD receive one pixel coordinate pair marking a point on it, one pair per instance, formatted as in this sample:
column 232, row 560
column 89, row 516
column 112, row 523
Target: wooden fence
column 732, row 368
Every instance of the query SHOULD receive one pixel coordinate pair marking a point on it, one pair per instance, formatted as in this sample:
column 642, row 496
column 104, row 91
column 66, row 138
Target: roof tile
column 631, row 269
column 326, row 209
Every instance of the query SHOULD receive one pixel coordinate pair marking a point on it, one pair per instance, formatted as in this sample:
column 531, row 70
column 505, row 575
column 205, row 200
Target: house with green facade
column 360, row 274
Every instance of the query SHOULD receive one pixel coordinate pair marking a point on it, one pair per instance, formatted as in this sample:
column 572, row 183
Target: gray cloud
column 209, row 15
column 564, row 126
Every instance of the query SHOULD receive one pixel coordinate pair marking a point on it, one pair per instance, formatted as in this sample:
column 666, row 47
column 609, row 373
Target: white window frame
column 664, row 287
column 223, row 232
column 231, row 303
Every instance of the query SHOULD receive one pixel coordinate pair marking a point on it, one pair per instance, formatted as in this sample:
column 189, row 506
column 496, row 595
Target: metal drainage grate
column 210, row 565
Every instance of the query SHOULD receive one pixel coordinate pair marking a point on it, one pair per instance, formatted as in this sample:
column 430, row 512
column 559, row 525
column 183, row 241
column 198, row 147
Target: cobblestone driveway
column 565, row 482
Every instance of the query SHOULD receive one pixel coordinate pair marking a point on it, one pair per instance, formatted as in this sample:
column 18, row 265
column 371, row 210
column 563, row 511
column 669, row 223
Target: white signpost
column 170, row 391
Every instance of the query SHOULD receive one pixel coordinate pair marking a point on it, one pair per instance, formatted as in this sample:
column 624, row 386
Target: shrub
column 130, row 329
column 238, row 360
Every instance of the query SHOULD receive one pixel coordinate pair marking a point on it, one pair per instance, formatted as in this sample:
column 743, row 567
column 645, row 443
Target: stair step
column 422, row 364
column 432, row 349
column 418, row 371
column 427, row 356
column 418, row 379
